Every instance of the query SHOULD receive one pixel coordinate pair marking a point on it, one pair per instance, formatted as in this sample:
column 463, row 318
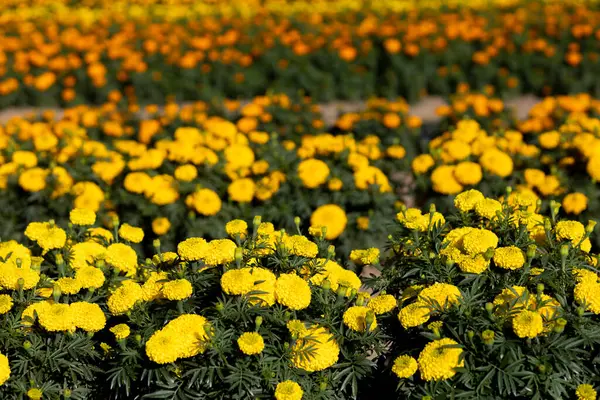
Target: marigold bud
column 488, row 337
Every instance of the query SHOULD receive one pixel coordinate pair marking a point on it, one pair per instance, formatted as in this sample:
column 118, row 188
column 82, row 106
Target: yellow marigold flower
column 85, row 254
column 164, row 347
column 467, row 200
column 313, row 172
column 300, row 246
column 34, row 179
column 239, row 156
column 336, row 276
column 510, row 257
column 524, row 198
column 496, row 162
column 57, row 317
column 35, row 394
column 130, row 233
column 90, row 277
column 161, row 225
column 528, row 324
column 237, row 281
column 28, row 315
column 179, row 289
column 335, row 184
column 488, row 208
column 102, row 233
column 242, row 190
column 396, row 151
column 124, row 297
column 121, row 331
column 4, row 369
column 362, row 223
column 422, row 163
column 382, row 303
column 331, row 216
column 549, row 140
column 405, row 366
column 472, row 264
column 82, row 216
column 369, row 176
column 439, row 359
column 192, row 249
column 468, row 173
column 122, row 257
column 412, row 218
column 355, row 318
column 478, row 241
column 534, row 177
column 587, row 293
column 205, row 202
column 365, row 257
column 88, row 316
column 237, row 227
column 585, row 392
column 585, row 275
column 324, row 350
column 219, row 251
column 292, row 291
column 414, row 314
column 570, row 230
column 289, row 390
column 24, row 158
column 296, row 327
column 186, row 173
column 46, row 234
column 444, row 294
column 443, row 180
column 251, row 343
column 575, row 203
column 6, row 303
column 69, row 285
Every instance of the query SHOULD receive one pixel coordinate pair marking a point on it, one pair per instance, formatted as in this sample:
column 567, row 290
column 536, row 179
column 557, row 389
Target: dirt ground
column 425, row 109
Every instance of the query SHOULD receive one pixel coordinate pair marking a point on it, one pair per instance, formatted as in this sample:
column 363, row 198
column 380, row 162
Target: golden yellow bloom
column 192, row 249
column 414, row 314
column 325, row 350
column 179, row 289
column 405, row 366
column 585, row 392
column 251, row 343
column 4, row 369
column 439, row 359
column 289, row 390
column 510, row 257
column 121, row 331
column 332, row 217
column 130, row 233
column 204, row 201
column 81, row 216
column 161, row 226
column 356, row 318
column 528, row 324
column 237, row 227
column 575, row 203
column 422, row 163
column 122, row 257
column 186, row 173
column 292, row 291
column 467, row 200
column 313, row 172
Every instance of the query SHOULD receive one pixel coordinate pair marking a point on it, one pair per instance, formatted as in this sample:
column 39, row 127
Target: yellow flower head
column 82, row 216
column 288, row 390
column 121, row 331
column 405, row 366
column 439, row 359
column 130, row 233
column 355, row 318
column 251, row 343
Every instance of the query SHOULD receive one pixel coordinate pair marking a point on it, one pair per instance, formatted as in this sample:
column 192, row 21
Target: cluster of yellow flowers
column 93, row 280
